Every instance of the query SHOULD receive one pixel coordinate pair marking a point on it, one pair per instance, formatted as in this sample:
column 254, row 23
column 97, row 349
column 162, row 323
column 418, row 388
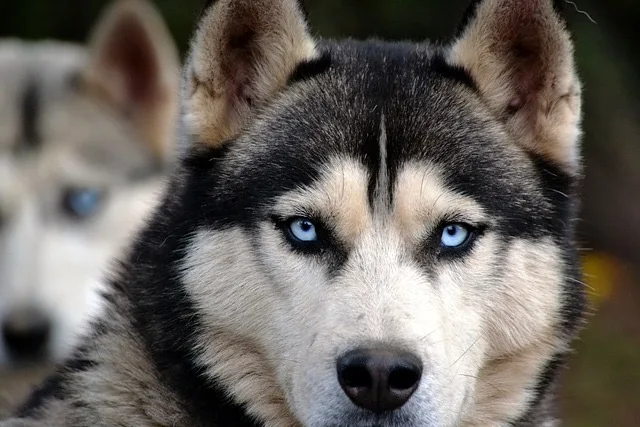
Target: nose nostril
column 404, row 378
column 356, row 376
column 26, row 336
column 379, row 380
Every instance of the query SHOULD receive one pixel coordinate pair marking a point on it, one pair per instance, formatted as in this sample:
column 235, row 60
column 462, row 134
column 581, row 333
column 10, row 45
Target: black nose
column 26, row 334
column 379, row 380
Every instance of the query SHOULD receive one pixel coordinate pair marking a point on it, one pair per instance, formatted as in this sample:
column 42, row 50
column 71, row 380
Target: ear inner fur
column 521, row 55
column 242, row 55
column 134, row 67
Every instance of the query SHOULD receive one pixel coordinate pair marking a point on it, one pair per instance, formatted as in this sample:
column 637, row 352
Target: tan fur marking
column 422, row 199
column 340, row 197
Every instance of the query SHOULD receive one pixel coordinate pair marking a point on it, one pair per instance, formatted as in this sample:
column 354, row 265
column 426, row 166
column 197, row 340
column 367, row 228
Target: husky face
column 83, row 143
column 384, row 229
column 394, row 223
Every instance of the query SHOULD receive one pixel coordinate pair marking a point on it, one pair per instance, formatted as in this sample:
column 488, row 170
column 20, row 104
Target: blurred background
column 603, row 385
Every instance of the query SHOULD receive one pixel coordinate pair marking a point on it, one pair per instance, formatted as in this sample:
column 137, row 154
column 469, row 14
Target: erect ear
column 242, row 54
column 134, row 66
column 520, row 54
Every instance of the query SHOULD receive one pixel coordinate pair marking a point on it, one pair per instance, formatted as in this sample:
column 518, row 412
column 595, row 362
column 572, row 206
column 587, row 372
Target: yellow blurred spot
column 600, row 272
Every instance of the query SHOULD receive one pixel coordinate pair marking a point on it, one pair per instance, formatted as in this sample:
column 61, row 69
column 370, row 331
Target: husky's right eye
column 455, row 235
column 303, row 229
column 302, row 233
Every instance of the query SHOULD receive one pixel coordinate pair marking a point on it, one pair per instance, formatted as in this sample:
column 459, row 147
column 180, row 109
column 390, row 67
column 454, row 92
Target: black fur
column 54, row 387
column 561, row 190
column 456, row 73
column 377, row 73
column 165, row 316
column 309, row 69
column 30, row 106
column 51, row 389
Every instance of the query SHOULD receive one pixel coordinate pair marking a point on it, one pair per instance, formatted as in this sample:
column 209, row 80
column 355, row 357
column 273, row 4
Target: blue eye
column 454, row 235
column 81, row 203
column 303, row 230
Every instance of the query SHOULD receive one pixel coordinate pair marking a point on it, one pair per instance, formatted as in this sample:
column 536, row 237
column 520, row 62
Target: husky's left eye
column 303, row 230
column 455, row 235
column 82, row 203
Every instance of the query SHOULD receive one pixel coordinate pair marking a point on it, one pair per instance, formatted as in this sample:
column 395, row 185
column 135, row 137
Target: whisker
column 465, row 352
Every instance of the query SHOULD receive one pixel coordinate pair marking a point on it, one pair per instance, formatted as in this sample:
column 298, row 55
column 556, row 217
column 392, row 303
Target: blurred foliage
column 600, row 272
column 604, row 385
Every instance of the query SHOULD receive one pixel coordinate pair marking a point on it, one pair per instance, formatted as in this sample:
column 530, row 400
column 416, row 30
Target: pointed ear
column 243, row 53
column 520, row 54
column 134, row 66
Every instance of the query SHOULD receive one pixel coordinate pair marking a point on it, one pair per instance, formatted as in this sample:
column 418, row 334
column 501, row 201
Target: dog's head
column 84, row 139
column 385, row 228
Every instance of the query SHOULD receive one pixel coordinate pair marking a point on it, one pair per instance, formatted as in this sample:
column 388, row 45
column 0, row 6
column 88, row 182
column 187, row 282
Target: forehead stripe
column 30, row 114
column 381, row 193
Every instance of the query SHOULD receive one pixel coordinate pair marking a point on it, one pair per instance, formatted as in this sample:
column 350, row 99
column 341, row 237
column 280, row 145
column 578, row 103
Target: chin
column 358, row 418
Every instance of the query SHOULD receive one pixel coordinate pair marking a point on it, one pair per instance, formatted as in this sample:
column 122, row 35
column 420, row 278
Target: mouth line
column 389, row 419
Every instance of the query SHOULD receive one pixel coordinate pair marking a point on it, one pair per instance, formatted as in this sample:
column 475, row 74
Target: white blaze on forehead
column 381, row 194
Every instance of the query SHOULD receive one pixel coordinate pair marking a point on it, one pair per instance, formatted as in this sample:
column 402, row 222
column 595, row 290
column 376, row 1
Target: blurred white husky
column 85, row 141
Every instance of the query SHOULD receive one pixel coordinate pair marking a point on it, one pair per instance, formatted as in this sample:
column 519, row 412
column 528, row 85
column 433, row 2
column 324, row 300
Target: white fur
column 53, row 264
